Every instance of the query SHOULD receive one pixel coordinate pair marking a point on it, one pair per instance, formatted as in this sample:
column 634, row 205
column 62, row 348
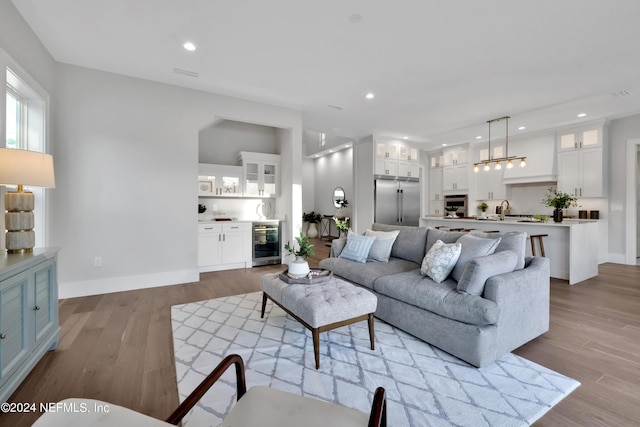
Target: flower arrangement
column 311, row 217
column 305, row 249
column 483, row 206
column 341, row 224
column 558, row 200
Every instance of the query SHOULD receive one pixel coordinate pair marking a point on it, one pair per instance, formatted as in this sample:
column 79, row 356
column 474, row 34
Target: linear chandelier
column 498, row 161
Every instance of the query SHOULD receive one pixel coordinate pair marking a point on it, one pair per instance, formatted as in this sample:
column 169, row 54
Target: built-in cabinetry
column 28, row 314
column 219, row 180
column 224, row 245
column 261, row 174
column 581, row 162
column 455, row 171
column 436, row 198
column 396, row 159
column 489, row 183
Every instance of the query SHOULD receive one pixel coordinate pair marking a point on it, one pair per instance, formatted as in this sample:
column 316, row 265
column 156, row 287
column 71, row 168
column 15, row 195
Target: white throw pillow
column 440, row 260
column 381, row 249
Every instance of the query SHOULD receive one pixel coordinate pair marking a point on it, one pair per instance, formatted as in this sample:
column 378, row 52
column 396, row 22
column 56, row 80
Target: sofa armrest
column 337, row 245
column 523, row 299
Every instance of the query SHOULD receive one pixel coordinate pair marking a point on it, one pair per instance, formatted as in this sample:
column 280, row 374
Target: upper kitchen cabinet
column 395, row 159
column 261, row 174
column 456, row 156
column 219, row 180
column 436, row 160
column 581, row 161
column 489, row 183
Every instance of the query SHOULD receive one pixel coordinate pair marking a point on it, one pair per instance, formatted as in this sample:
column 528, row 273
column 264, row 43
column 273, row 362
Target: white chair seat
column 269, row 407
column 82, row 413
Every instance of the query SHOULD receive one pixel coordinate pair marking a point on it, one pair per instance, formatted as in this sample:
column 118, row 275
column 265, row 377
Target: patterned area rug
column 425, row 386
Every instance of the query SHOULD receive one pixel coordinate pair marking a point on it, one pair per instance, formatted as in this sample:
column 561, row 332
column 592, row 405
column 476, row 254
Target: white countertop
column 513, row 221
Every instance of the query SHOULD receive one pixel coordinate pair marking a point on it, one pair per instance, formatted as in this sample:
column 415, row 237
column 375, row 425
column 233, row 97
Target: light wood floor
column 118, row 347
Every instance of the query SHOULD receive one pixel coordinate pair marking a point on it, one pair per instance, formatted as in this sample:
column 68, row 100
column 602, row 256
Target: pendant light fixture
column 497, row 162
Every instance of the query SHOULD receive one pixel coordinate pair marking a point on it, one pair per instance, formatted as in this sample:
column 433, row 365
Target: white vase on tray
column 299, row 267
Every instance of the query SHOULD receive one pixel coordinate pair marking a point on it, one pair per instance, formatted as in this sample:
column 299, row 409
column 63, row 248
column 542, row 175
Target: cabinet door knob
column 37, row 307
column 3, row 336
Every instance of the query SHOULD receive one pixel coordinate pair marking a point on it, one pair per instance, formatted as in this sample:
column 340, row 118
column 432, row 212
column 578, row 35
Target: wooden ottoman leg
column 371, row 332
column 264, row 304
column 316, row 345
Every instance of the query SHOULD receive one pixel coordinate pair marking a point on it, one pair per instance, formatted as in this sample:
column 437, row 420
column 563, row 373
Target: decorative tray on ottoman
column 315, row 276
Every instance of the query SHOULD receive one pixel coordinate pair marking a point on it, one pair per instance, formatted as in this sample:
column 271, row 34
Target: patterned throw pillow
column 357, row 247
column 440, row 260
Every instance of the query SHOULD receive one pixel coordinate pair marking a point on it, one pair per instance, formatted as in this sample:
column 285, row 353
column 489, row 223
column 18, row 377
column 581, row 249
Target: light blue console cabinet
column 28, row 314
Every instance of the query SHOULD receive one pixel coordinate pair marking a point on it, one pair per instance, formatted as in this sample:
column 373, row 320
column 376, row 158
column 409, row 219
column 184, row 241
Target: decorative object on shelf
column 312, row 218
column 342, row 203
column 558, row 200
column 205, row 187
column 483, row 208
column 299, row 267
column 451, row 211
column 202, row 208
column 20, row 168
column 508, row 159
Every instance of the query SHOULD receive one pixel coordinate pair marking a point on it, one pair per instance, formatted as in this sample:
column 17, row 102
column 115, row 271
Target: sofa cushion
column 433, row 235
column 440, row 260
column 366, row 274
column 381, row 248
column 477, row 271
column 472, row 247
column 441, row 298
column 357, row 247
column 410, row 243
column 511, row 241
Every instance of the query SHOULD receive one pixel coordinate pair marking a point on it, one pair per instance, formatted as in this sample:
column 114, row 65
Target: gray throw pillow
column 446, row 236
column 511, row 241
column 477, row 271
column 381, row 248
column 472, row 247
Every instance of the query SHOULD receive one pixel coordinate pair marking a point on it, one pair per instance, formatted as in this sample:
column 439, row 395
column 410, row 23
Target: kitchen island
column 571, row 246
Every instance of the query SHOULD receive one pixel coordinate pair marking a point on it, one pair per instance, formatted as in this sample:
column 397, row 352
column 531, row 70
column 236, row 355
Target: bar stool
column 456, row 229
column 532, row 237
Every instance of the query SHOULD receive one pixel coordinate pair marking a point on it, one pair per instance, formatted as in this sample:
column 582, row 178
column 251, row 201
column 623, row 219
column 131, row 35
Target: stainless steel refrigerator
column 397, row 202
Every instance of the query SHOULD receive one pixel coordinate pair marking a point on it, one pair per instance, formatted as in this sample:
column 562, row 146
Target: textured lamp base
column 19, row 222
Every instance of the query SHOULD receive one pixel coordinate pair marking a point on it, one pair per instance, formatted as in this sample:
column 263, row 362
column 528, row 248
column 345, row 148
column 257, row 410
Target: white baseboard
column 617, row 258
column 126, row 283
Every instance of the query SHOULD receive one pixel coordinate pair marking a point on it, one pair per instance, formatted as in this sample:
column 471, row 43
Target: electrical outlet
column 97, row 261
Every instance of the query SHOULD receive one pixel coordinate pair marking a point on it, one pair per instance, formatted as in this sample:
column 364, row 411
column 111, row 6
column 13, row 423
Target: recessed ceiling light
column 521, row 128
column 405, row 137
column 189, row 46
column 369, row 95
column 478, row 137
column 444, row 145
column 582, row 114
column 347, row 145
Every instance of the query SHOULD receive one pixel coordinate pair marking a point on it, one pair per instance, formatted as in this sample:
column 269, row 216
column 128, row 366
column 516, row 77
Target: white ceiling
column 439, row 69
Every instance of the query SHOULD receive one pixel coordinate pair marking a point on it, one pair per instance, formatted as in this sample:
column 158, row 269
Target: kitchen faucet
column 502, row 208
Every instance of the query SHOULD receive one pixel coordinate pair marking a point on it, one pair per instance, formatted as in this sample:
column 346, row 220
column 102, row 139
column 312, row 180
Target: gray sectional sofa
column 508, row 310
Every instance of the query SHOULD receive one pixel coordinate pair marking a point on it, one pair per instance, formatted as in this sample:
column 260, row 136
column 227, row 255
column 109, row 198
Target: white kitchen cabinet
column 223, row 246
column 489, row 185
column 455, row 178
column 436, row 160
column 436, row 198
column 28, row 314
column 396, row 159
column 456, row 156
column 579, row 138
column 219, row 180
column 261, row 174
column 581, row 172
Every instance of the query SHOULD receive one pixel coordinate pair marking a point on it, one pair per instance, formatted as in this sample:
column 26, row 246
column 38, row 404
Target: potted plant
column 299, row 267
column 312, row 218
column 483, row 208
column 558, row 201
column 451, row 211
column 341, row 225
column 341, row 204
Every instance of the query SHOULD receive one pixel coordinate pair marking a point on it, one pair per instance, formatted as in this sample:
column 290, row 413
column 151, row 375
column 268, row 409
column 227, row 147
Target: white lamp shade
column 22, row 167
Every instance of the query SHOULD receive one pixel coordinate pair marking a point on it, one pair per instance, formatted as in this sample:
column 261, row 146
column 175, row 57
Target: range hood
column 541, row 160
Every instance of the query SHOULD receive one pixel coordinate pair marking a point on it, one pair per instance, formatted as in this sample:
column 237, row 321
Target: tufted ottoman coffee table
column 321, row 307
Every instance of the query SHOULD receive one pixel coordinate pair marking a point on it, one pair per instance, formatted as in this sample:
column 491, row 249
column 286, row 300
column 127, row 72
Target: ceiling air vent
column 185, row 72
column 620, row 93
column 335, row 107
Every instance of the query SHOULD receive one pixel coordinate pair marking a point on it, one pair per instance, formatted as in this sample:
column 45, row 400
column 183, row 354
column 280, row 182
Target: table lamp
column 22, row 167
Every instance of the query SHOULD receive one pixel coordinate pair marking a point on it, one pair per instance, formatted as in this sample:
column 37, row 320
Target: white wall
column 620, row 131
column 331, row 171
column 127, row 153
column 220, row 144
column 308, row 184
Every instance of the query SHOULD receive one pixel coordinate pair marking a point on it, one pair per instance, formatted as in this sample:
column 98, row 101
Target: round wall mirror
column 338, row 194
